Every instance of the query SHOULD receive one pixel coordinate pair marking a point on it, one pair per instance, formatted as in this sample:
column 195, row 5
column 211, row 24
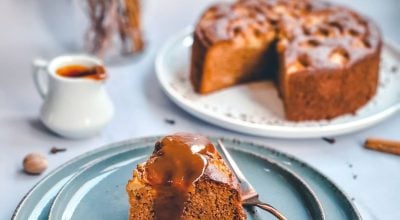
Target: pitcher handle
column 39, row 67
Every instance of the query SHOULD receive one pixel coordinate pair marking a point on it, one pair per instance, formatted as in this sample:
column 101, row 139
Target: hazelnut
column 35, row 163
column 339, row 56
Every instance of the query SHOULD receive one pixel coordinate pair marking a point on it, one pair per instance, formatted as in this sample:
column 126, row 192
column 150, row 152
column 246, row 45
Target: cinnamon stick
column 130, row 29
column 386, row 146
column 108, row 18
column 102, row 16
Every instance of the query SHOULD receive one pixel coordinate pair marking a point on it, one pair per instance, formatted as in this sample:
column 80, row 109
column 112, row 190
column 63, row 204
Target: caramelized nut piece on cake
column 302, row 62
column 336, row 25
column 324, row 32
column 282, row 45
column 359, row 43
column 313, row 20
column 310, row 43
column 353, row 32
column 281, row 9
column 339, row 56
column 294, row 67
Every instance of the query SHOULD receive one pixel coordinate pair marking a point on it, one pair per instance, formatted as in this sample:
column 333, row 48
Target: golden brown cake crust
column 328, row 55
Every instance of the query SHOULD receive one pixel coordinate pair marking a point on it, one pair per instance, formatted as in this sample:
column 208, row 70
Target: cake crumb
column 394, row 69
column 55, row 150
column 236, row 141
column 329, row 140
column 355, row 176
column 252, row 210
column 169, row 121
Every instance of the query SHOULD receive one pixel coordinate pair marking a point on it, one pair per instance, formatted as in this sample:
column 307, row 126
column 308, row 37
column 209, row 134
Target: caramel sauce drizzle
column 176, row 164
column 80, row 71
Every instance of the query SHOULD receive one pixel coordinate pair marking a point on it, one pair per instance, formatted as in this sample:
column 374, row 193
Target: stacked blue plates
column 92, row 186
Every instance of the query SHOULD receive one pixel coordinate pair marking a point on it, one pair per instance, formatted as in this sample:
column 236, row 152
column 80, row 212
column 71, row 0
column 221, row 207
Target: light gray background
column 40, row 27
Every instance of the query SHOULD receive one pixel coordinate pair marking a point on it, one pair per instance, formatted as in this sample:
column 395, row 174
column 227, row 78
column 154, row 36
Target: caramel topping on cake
column 178, row 161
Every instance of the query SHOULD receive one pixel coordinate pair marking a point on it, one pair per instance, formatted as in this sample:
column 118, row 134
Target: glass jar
column 114, row 28
column 108, row 29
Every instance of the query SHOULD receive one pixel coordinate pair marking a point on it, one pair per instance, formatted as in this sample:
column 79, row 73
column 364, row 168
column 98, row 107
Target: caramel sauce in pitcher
column 79, row 71
column 177, row 162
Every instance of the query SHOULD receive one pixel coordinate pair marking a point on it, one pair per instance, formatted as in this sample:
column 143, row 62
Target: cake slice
column 184, row 178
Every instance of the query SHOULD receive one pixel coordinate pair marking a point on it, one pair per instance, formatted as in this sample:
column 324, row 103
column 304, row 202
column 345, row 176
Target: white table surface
column 28, row 31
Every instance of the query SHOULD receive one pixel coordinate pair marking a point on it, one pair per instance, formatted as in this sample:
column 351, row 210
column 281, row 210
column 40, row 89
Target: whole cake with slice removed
column 323, row 57
column 184, row 178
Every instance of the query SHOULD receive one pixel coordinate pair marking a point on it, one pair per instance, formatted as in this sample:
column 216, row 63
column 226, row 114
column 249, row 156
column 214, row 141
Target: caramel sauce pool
column 80, row 71
column 177, row 162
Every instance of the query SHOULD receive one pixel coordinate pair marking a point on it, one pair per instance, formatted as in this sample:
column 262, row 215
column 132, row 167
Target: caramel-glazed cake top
column 233, row 22
column 309, row 33
column 184, row 158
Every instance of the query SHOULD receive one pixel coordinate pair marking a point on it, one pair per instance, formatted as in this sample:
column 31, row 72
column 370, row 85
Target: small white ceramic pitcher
column 73, row 107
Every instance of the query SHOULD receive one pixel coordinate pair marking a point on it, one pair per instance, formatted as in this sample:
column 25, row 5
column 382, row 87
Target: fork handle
column 271, row 210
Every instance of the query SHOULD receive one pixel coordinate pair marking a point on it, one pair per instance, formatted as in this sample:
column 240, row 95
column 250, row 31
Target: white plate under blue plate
column 255, row 108
column 97, row 191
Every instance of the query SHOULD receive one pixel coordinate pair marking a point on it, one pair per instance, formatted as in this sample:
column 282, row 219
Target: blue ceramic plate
column 97, row 190
column 103, row 186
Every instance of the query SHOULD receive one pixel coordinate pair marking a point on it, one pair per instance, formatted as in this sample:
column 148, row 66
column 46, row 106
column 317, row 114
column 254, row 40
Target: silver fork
column 249, row 194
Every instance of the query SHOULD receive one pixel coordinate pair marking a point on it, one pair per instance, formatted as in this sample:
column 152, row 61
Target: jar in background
column 114, row 28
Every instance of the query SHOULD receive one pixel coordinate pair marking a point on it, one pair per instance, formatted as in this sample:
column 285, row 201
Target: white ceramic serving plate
column 255, row 108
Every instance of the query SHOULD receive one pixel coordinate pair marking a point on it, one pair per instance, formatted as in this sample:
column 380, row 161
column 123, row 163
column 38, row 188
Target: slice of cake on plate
column 184, row 178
